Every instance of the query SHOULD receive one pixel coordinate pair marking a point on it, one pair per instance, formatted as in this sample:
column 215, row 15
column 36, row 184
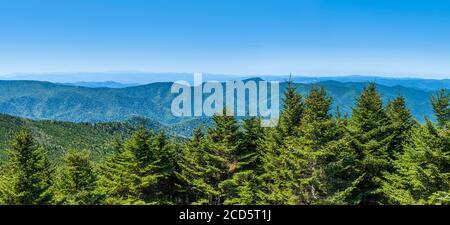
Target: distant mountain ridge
column 130, row 78
column 105, row 84
column 45, row 100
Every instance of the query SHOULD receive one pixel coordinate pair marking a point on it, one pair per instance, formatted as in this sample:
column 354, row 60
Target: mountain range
column 51, row 101
column 130, row 78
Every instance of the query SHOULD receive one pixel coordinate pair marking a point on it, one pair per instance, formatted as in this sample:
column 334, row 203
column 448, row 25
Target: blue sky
column 316, row 37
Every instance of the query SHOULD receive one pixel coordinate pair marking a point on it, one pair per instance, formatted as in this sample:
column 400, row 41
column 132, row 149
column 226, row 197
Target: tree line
column 378, row 155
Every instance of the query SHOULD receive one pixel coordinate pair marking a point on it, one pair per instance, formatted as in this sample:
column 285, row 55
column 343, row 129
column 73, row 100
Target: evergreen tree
column 193, row 173
column 339, row 160
column 77, row 181
column 129, row 177
column 28, row 177
column 308, row 152
column 202, row 169
column 400, row 127
column 207, row 162
column 252, row 136
column 422, row 174
column 244, row 185
column 276, row 160
column 441, row 106
column 369, row 140
column 167, row 155
column 291, row 115
column 276, row 174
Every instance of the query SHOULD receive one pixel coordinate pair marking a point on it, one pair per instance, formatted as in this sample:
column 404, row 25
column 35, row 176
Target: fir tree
column 129, row 177
column 400, row 127
column 422, row 174
column 28, row 178
column 277, row 159
column 308, row 153
column 193, row 174
column 167, row 156
column 293, row 108
column 252, row 136
column 244, row 185
column 441, row 105
column 78, row 181
column 202, row 169
column 369, row 140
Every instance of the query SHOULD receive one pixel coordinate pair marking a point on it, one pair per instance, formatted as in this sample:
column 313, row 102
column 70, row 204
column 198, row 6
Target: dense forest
column 49, row 101
column 378, row 155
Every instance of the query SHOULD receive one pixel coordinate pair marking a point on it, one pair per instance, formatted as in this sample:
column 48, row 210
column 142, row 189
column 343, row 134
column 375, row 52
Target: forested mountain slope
column 44, row 100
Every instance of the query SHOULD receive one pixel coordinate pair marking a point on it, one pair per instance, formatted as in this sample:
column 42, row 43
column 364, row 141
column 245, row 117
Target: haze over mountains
column 101, row 101
column 127, row 79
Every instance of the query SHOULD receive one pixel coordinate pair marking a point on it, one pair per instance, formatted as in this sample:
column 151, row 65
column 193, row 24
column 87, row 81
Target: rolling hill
column 58, row 137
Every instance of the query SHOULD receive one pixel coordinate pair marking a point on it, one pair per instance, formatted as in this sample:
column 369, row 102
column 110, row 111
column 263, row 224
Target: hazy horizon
column 212, row 74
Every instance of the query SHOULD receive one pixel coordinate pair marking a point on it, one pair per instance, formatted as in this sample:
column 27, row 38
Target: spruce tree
column 202, row 169
column 129, row 177
column 422, row 174
column 291, row 115
column 28, row 177
column 400, row 125
column 308, row 152
column 369, row 140
column 207, row 162
column 441, row 105
column 194, row 174
column 243, row 187
column 77, row 181
column 167, row 155
column 277, row 161
column 340, row 177
column 422, row 171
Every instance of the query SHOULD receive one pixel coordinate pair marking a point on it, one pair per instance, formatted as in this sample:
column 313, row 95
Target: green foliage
column 281, row 165
column 422, row 174
column 400, row 125
column 378, row 155
column 77, row 181
column 133, row 175
column 441, row 105
column 57, row 137
column 293, row 109
column 369, row 141
column 243, row 187
column 317, row 132
column 26, row 177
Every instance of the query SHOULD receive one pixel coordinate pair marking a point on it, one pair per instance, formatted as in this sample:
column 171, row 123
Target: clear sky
column 310, row 37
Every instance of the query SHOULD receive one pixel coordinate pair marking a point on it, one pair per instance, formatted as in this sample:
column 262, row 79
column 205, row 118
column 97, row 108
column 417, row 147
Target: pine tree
column 441, row 105
column 77, row 181
column 28, row 177
column 129, row 177
column 369, row 140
